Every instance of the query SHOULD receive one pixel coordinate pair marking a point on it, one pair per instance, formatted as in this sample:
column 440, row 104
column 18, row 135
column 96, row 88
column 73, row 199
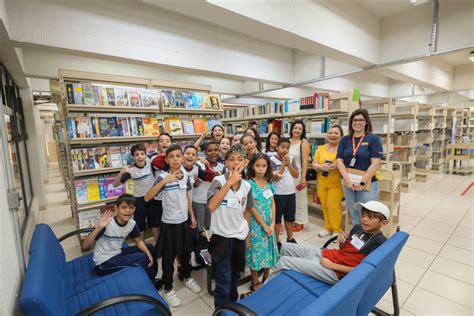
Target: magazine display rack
column 104, row 115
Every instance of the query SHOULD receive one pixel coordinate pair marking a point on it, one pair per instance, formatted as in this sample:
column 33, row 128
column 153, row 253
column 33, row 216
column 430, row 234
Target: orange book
column 150, row 125
column 199, row 126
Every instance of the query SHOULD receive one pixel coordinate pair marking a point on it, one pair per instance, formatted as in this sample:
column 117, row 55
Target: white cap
column 373, row 206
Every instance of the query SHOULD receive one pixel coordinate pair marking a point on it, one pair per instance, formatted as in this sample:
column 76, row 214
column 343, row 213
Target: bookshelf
column 439, row 138
column 424, row 142
column 459, row 158
column 103, row 115
column 404, row 140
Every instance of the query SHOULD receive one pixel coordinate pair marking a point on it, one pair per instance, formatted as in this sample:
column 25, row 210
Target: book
column 78, row 95
column 89, row 98
column 129, row 186
column 148, row 98
column 102, row 187
column 70, row 93
column 111, row 96
column 180, row 100
column 197, row 101
column 150, row 126
column 105, row 99
column 174, row 126
column 199, row 126
column 81, row 191
column 168, row 99
column 93, row 193
column 188, row 99
column 111, row 191
column 119, row 99
column 133, row 98
column 215, row 102
column 88, row 219
column 115, row 157
column 188, row 126
column 97, row 95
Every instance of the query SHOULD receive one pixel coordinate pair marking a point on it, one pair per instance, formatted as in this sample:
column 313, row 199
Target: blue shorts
column 285, row 205
column 147, row 213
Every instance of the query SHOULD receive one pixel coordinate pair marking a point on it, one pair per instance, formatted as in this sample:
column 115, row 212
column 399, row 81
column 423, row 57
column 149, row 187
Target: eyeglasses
column 358, row 120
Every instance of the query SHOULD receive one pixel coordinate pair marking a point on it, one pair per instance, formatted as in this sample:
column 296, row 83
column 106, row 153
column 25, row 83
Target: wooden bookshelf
column 83, row 173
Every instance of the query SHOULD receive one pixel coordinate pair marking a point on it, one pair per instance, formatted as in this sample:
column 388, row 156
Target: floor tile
column 447, row 287
column 453, row 269
column 422, row 302
column 461, row 242
column 429, row 233
column 408, row 272
column 437, row 226
column 209, row 300
column 424, row 244
column 417, row 257
column 457, row 254
column 404, row 290
column 196, row 308
column 464, row 232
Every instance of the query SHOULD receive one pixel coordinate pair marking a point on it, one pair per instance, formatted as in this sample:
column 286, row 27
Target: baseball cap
column 373, row 206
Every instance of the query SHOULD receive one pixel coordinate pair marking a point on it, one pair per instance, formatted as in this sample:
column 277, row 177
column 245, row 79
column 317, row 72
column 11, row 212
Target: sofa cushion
column 287, row 293
column 132, row 280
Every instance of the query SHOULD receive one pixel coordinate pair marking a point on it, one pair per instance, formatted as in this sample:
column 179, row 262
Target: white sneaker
column 192, row 285
column 324, row 233
column 172, row 299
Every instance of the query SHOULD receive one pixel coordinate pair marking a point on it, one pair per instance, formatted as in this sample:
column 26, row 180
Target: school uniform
column 175, row 236
column 229, row 230
column 201, row 211
column 143, row 179
column 285, row 197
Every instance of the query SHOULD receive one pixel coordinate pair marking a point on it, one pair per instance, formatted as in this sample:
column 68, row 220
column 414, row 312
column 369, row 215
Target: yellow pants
column 331, row 196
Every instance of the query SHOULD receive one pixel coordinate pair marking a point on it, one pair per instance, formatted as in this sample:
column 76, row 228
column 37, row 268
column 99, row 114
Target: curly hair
column 251, row 171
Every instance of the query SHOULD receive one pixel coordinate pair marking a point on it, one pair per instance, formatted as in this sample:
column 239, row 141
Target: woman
column 300, row 150
column 363, row 151
column 253, row 131
column 328, row 182
column 217, row 133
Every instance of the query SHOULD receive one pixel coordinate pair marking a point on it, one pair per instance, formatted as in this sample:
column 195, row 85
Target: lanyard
column 354, row 148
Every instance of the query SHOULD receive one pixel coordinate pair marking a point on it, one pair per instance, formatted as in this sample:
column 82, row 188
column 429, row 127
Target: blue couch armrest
column 236, row 308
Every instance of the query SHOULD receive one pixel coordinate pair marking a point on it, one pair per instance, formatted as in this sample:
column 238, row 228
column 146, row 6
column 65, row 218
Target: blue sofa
column 356, row 294
column 53, row 286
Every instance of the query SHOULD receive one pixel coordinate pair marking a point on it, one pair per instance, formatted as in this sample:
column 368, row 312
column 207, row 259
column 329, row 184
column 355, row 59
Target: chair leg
column 396, row 303
column 209, row 270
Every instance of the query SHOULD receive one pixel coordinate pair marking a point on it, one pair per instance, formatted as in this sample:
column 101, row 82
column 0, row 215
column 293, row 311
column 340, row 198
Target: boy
column 330, row 265
column 284, row 167
column 110, row 233
column 175, row 236
column 212, row 169
column 141, row 173
column 229, row 197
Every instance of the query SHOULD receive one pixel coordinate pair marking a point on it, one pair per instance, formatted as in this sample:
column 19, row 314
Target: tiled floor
column 435, row 270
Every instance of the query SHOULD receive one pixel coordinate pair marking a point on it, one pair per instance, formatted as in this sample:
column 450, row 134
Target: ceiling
column 383, row 8
column 457, row 58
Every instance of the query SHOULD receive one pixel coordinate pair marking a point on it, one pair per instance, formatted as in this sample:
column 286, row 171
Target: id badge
column 233, row 202
column 267, row 194
column 353, row 162
column 356, row 242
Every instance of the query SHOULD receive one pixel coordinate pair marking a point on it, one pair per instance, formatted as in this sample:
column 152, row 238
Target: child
column 175, row 237
column 256, row 136
column 262, row 251
column 237, row 136
column 330, row 265
column 272, row 143
column 229, row 197
column 141, row 173
column 284, row 167
column 109, row 235
column 224, row 145
column 250, row 145
column 212, row 168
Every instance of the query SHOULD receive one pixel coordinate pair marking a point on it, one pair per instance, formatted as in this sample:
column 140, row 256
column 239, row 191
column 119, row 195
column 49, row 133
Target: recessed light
column 471, row 56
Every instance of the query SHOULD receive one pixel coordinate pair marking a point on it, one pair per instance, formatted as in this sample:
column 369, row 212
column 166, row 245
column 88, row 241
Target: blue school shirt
column 371, row 147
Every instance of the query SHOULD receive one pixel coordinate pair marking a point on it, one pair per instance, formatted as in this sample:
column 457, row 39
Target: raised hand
column 342, row 237
column 125, row 169
column 105, row 219
column 173, row 177
column 287, row 160
column 235, row 176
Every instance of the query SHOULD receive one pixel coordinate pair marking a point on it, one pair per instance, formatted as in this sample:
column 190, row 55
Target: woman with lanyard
column 300, row 150
column 363, row 151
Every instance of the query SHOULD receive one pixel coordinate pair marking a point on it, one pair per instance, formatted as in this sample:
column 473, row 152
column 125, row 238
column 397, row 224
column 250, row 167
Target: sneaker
column 324, row 233
column 192, row 285
column 171, row 298
column 293, row 241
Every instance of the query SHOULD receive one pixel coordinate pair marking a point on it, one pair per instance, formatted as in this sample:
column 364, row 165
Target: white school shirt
column 143, row 178
column 175, row 203
column 284, row 186
column 200, row 193
column 228, row 219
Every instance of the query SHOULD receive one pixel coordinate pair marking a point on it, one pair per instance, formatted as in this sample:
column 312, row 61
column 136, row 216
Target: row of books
column 95, row 125
column 95, row 189
column 106, row 95
column 319, row 100
column 269, row 108
column 178, row 99
column 120, row 96
column 176, row 126
column 103, row 157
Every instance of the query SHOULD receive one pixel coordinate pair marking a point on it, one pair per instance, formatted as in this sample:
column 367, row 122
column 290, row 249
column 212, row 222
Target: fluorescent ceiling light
column 471, row 56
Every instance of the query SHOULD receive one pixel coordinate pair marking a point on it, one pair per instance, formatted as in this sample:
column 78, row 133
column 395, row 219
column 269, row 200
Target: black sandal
column 252, row 289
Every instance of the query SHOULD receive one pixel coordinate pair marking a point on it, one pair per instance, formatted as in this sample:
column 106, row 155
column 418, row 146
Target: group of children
column 235, row 197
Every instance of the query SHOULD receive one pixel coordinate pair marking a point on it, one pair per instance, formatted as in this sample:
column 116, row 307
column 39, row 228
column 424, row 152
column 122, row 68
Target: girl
column 253, row 131
column 262, row 251
column 224, row 146
column 328, row 182
column 300, row 150
column 236, row 139
column 272, row 142
column 250, row 145
column 217, row 133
